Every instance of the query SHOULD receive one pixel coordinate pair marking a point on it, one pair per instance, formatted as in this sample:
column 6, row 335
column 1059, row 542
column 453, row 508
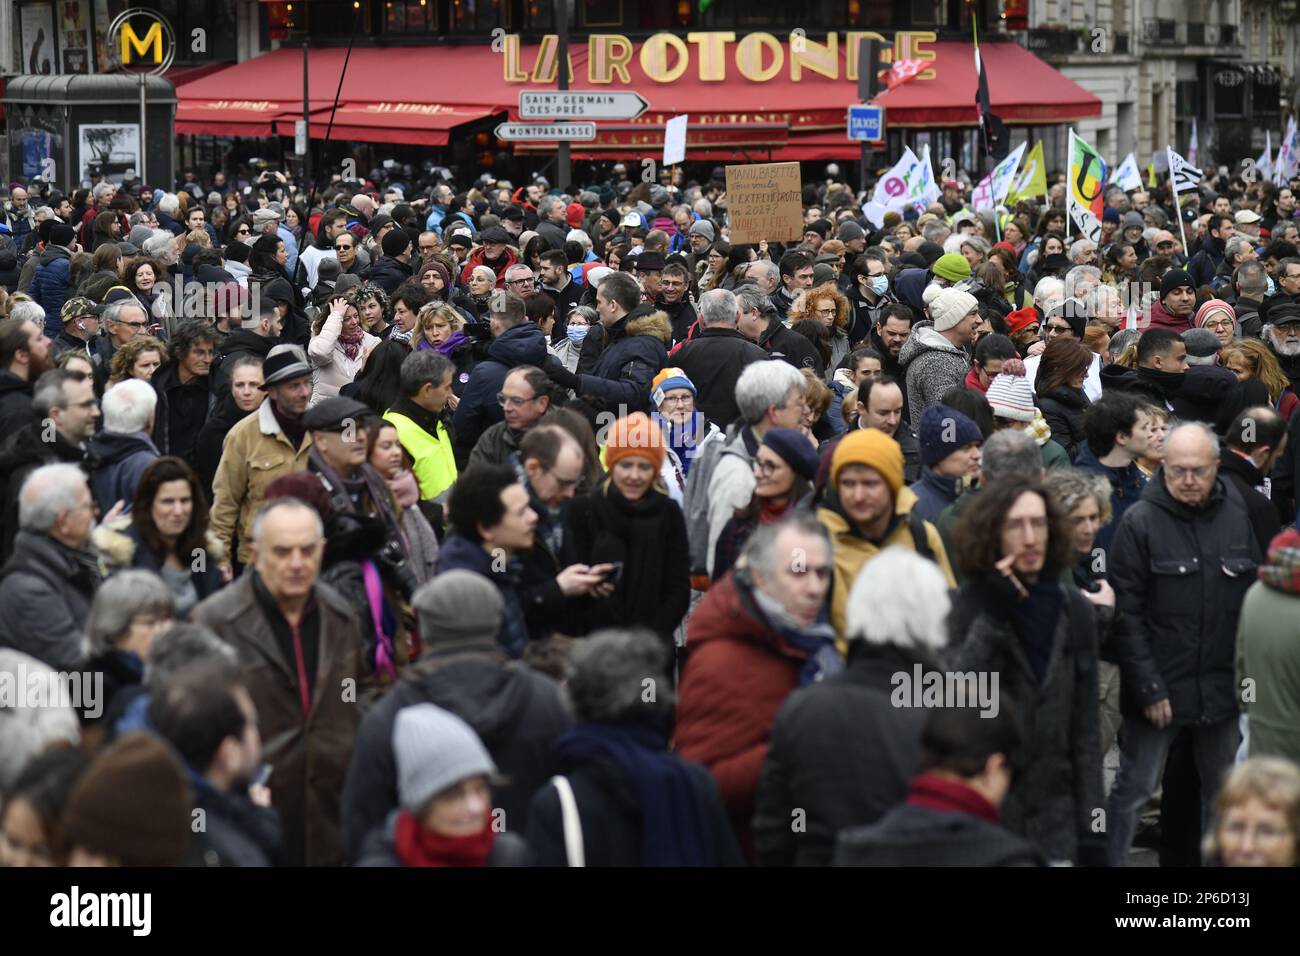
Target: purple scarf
column 446, row 348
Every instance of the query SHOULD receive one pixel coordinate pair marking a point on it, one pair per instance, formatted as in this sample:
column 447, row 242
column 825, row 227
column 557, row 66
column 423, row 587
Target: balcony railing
column 1160, row 32
column 1046, row 40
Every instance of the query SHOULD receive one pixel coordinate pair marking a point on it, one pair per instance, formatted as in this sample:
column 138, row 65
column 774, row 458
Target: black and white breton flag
column 1186, row 177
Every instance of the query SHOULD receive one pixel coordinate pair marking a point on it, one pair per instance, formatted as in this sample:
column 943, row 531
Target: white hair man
column 45, row 596
column 897, row 618
column 124, row 449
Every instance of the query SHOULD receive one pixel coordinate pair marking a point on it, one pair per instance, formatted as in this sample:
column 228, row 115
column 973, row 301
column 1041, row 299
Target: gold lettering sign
column 665, row 58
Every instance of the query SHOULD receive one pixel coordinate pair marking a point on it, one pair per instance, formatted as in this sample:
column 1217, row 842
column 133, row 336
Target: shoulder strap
column 920, row 539
column 573, row 848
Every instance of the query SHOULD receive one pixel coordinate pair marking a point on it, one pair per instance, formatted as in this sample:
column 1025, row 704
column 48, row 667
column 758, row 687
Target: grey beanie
column 139, row 234
column 1201, row 343
column 702, row 227
column 458, row 605
column 1134, row 220
column 434, row 750
column 849, row 230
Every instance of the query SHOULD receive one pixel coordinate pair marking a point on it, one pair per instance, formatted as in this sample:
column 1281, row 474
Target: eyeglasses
column 765, row 468
column 829, row 313
column 343, row 248
column 1059, row 329
column 564, row 482
column 243, row 231
column 513, row 401
column 1178, row 473
column 1219, row 324
column 679, row 399
column 138, row 326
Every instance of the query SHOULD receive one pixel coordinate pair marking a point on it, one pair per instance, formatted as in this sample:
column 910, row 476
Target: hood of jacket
column 1209, row 384
column 109, row 448
column 52, row 253
column 925, row 339
column 487, row 693
column 525, row 344
column 908, row 286
column 1161, row 318
column 1156, row 493
column 655, row 324
column 245, row 340
column 26, row 448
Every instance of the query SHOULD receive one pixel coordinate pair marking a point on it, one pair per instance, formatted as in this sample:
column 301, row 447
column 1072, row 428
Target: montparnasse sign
column 758, row 57
column 143, row 40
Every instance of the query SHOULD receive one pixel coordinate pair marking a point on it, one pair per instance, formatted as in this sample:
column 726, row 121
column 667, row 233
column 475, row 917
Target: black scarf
column 632, row 532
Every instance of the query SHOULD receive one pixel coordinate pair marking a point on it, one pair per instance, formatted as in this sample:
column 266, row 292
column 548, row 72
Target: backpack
column 695, row 500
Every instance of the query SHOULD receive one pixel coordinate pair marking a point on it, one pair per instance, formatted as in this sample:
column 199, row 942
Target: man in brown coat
column 301, row 659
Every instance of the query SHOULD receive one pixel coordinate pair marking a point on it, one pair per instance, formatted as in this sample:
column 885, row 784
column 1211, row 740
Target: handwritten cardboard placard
column 765, row 201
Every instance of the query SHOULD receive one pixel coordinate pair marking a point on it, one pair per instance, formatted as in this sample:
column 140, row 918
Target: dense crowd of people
column 412, row 522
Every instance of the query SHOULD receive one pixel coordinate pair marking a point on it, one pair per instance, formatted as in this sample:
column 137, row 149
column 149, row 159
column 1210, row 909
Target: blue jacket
column 121, row 458
column 436, row 214
column 1126, row 485
column 459, row 552
column 934, row 493
column 50, row 286
column 478, row 410
column 635, row 350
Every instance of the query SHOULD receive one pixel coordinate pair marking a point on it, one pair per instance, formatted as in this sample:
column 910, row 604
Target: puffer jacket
column 50, row 286
column 932, row 365
column 525, row 344
column 635, row 350
column 1180, row 576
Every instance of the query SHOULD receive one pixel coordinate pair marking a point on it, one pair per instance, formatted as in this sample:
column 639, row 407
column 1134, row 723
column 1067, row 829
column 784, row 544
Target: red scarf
column 351, row 343
column 417, row 846
column 973, row 382
column 934, row 792
column 774, row 510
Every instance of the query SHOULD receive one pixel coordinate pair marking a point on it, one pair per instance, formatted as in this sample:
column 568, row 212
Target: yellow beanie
column 873, row 448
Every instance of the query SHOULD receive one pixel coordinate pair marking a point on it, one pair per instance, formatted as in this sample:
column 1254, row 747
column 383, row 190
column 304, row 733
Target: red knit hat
column 574, row 215
column 1022, row 319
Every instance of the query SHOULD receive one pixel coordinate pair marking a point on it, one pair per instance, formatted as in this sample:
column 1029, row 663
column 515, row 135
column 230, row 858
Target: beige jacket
column 254, row 454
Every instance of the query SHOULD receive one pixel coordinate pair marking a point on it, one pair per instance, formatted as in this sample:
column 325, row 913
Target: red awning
column 724, row 115
column 263, row 96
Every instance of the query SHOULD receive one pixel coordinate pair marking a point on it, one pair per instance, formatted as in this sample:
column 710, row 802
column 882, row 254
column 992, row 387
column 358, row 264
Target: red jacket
column 738, row 673
column 973, row 382
column 476, row 259
column 1161, row 319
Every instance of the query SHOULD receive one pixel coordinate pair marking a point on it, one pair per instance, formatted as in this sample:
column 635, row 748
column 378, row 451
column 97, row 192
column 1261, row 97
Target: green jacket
column 1268, row 670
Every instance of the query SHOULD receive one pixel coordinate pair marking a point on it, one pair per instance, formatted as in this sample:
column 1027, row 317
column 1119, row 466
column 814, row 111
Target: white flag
column 994, row 187
column 1264, row 165
column 1127, row 176
column 904, row 185
column 1287, row 160
column 1186, row 177
column 1193, row 148
column 930, row 191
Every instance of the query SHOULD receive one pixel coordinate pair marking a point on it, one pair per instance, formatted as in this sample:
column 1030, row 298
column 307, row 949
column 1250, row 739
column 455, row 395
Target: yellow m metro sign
column 131, row 41
column 156, row 48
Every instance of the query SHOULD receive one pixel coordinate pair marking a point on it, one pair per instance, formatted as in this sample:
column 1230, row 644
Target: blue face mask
column 577, row 333
column 880, row 284
column 1271, row 287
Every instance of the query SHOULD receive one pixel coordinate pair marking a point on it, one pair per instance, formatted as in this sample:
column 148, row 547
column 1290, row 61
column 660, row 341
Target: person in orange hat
column 629, row 521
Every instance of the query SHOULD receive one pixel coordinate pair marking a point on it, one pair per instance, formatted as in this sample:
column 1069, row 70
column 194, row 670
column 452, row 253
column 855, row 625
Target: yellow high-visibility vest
column 434, row 463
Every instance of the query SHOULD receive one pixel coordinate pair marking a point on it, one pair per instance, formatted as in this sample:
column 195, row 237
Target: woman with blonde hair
column 440, row 327
column 831, row 308
column 1254, row 362
column 1257, row 816
column 139, row 358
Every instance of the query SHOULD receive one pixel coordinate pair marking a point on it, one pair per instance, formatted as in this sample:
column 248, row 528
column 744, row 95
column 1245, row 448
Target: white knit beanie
column 949, row 307
column 1011, row 396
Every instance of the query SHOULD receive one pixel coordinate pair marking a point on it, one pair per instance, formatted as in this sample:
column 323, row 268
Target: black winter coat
column 524, row 344
column 635, row 349
column 15, row 402
column 515, row 711
column 1209, row 394
column 1063, row 410
column 1057, row 776
column 238, row 342
column 388, row 273
column 1180, row 576
column 780, row 342
column 842, row 753
column 919, row 836
column 181, row 413
column 236, row 832
column 1246, row 478
column 714, row 360
column 610, row 813
column 22, row 454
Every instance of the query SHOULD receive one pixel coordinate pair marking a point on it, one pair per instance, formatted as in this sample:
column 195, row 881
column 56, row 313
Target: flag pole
column 1178, row 209
column 1069, row 158
column 984, row 136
